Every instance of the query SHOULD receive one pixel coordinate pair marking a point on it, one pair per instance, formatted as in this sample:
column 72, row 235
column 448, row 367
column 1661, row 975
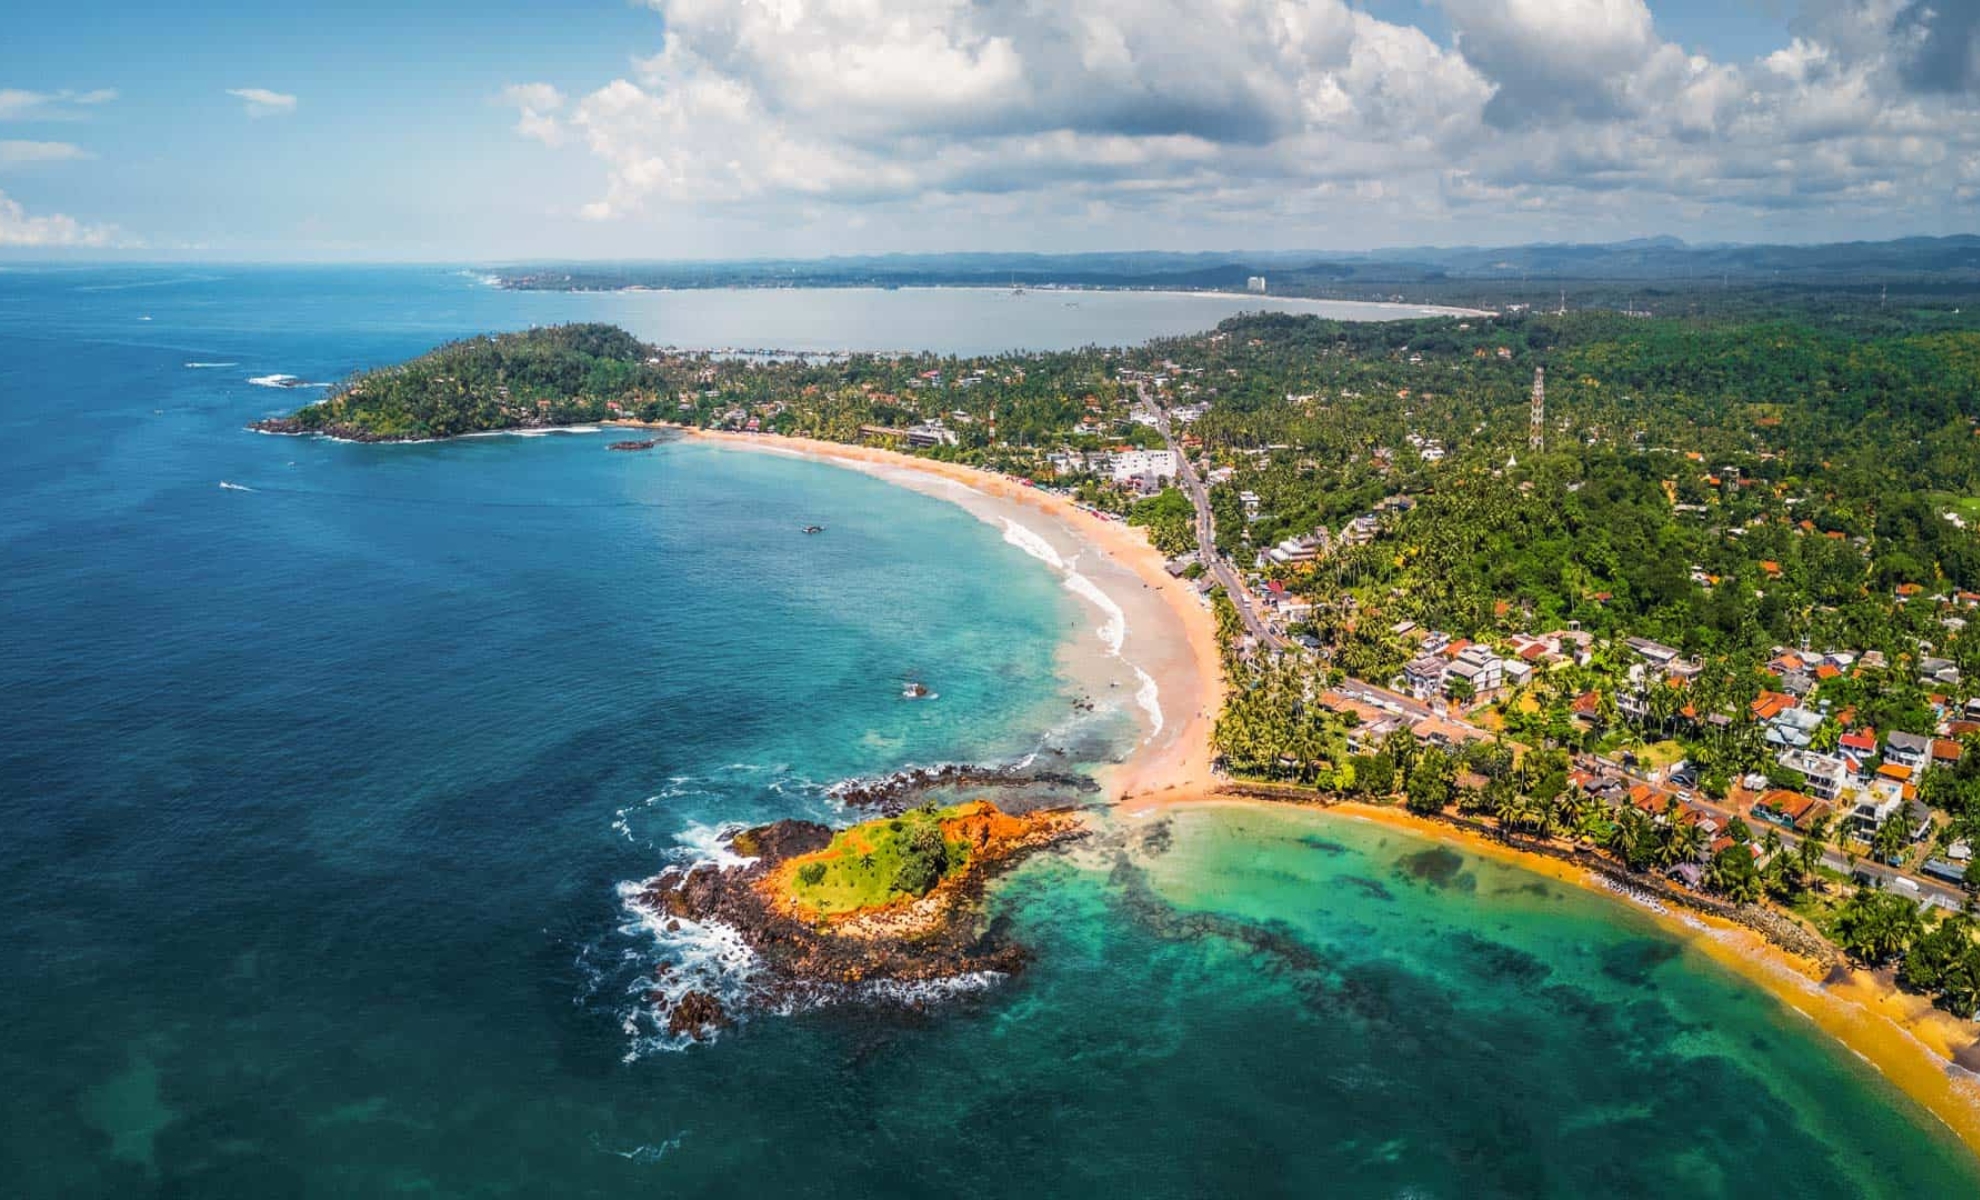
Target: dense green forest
column 550, row 376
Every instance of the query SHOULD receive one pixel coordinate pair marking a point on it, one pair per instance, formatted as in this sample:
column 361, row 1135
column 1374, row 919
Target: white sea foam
column 1031, row 543
column 1150, row 698
column 235, row 487
column 921, row 991
column 1114, row 624
column 705, row 956
column 286, row 382
column 710, row 844
column 530, row 433
column 1113, row 630
column 645, row 1154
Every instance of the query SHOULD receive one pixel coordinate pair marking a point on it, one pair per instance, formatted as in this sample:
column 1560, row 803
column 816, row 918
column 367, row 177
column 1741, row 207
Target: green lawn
column 869, row 864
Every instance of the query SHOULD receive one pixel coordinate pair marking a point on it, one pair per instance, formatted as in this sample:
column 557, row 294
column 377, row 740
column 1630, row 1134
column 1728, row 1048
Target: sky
column 505, row 131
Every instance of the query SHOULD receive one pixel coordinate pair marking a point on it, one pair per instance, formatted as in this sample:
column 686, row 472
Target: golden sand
column 1913, row 1044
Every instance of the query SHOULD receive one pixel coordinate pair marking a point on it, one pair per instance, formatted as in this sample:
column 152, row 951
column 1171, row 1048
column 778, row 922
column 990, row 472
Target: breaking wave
column 1113, row 626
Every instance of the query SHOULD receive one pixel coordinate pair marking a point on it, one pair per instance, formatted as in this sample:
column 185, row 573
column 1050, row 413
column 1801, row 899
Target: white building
column 1826, row 773
column 1127, row 466
column 1479, row 667
column 1255, row 285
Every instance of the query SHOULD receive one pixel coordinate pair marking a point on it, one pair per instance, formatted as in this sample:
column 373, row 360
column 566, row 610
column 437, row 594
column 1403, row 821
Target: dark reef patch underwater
column 319, row 800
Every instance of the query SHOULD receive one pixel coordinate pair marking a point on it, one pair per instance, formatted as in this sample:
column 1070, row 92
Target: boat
column 813, row 529
column 915, row 691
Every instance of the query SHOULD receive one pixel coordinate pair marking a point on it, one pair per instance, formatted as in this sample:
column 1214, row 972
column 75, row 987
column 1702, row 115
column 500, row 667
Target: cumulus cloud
column 538, row 104
column 16, row 153
column 1252, row 111
column 17, row 228
column 19, row 104
column 260, row 102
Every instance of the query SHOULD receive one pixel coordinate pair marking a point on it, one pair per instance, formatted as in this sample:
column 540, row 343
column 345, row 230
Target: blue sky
column 696, row 128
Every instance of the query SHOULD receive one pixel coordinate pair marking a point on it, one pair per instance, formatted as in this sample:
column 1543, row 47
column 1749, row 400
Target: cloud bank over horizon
column 500, row 130
column 1255, row 114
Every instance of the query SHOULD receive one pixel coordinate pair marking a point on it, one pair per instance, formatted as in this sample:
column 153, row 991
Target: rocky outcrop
column 696, row 1014
column 940, row 936
column 892, row 795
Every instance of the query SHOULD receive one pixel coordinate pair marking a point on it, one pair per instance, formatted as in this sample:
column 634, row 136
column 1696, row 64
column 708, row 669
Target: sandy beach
column 1170, row 634
column 1155, row 627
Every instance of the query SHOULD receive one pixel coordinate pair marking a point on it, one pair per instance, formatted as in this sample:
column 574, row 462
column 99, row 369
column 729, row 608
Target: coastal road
column 1226, row 575
column 1206, row 531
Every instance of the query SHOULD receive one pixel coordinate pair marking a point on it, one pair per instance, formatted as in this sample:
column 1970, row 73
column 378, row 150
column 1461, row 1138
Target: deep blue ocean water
column 316, row 799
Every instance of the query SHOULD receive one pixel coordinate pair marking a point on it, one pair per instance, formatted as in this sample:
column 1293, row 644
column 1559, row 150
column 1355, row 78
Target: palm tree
column 1814, row 846
column 1632, row 839
column 1527, row 813
column 1889, row 841
column 1732, row 874
column 1681, row 842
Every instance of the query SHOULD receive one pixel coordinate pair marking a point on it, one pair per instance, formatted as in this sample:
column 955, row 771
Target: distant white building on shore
column 1255, row 284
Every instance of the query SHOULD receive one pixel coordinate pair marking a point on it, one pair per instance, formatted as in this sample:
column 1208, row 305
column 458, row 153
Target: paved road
column 1225, row 574
column 1206, row 532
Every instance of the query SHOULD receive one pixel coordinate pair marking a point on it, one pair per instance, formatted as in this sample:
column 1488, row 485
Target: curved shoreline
column 1911, row 1044
column 1170, row 635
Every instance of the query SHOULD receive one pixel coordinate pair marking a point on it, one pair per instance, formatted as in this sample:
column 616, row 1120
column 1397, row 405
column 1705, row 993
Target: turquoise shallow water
column 317, row 799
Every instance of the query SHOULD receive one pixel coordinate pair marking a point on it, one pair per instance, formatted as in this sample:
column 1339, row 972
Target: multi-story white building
column 1126, row 466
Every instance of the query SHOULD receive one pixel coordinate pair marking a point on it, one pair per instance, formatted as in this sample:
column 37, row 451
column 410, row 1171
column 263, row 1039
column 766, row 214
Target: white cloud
column 19, row 104
column 1266, row 115
column 538, row 104
column 17, row 153
column 263, row 103
column 17, row 228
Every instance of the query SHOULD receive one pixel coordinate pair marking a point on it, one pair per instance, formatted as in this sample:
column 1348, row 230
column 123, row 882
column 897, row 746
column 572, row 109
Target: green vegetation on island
column 558, row 375
column 878, row 862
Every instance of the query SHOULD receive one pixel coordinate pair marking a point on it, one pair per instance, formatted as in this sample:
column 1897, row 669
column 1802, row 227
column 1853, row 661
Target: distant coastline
column 1405, row 310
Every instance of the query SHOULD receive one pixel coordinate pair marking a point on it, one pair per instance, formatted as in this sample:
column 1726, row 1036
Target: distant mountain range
column 1662, row 259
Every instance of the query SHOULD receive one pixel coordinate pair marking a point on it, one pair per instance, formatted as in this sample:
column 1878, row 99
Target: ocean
column 320, row 792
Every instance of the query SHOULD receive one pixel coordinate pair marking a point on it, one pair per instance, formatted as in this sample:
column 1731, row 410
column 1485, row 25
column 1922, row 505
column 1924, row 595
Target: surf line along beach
column 1152, row 634
column 1171, row 636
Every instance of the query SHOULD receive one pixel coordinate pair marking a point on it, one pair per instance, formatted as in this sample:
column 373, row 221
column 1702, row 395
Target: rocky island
column 891, row 900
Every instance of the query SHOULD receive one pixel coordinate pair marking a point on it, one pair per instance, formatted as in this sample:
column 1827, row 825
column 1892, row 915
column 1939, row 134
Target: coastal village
column 1810, row 774
column 1678, row 631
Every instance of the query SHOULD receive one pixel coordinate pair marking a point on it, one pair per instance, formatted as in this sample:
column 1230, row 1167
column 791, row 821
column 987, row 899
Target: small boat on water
column 916, row 691
column 813, row 529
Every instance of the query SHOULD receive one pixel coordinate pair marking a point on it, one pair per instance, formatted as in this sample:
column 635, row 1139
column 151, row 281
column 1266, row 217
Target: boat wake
column 202, row 366
column 229, row 486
